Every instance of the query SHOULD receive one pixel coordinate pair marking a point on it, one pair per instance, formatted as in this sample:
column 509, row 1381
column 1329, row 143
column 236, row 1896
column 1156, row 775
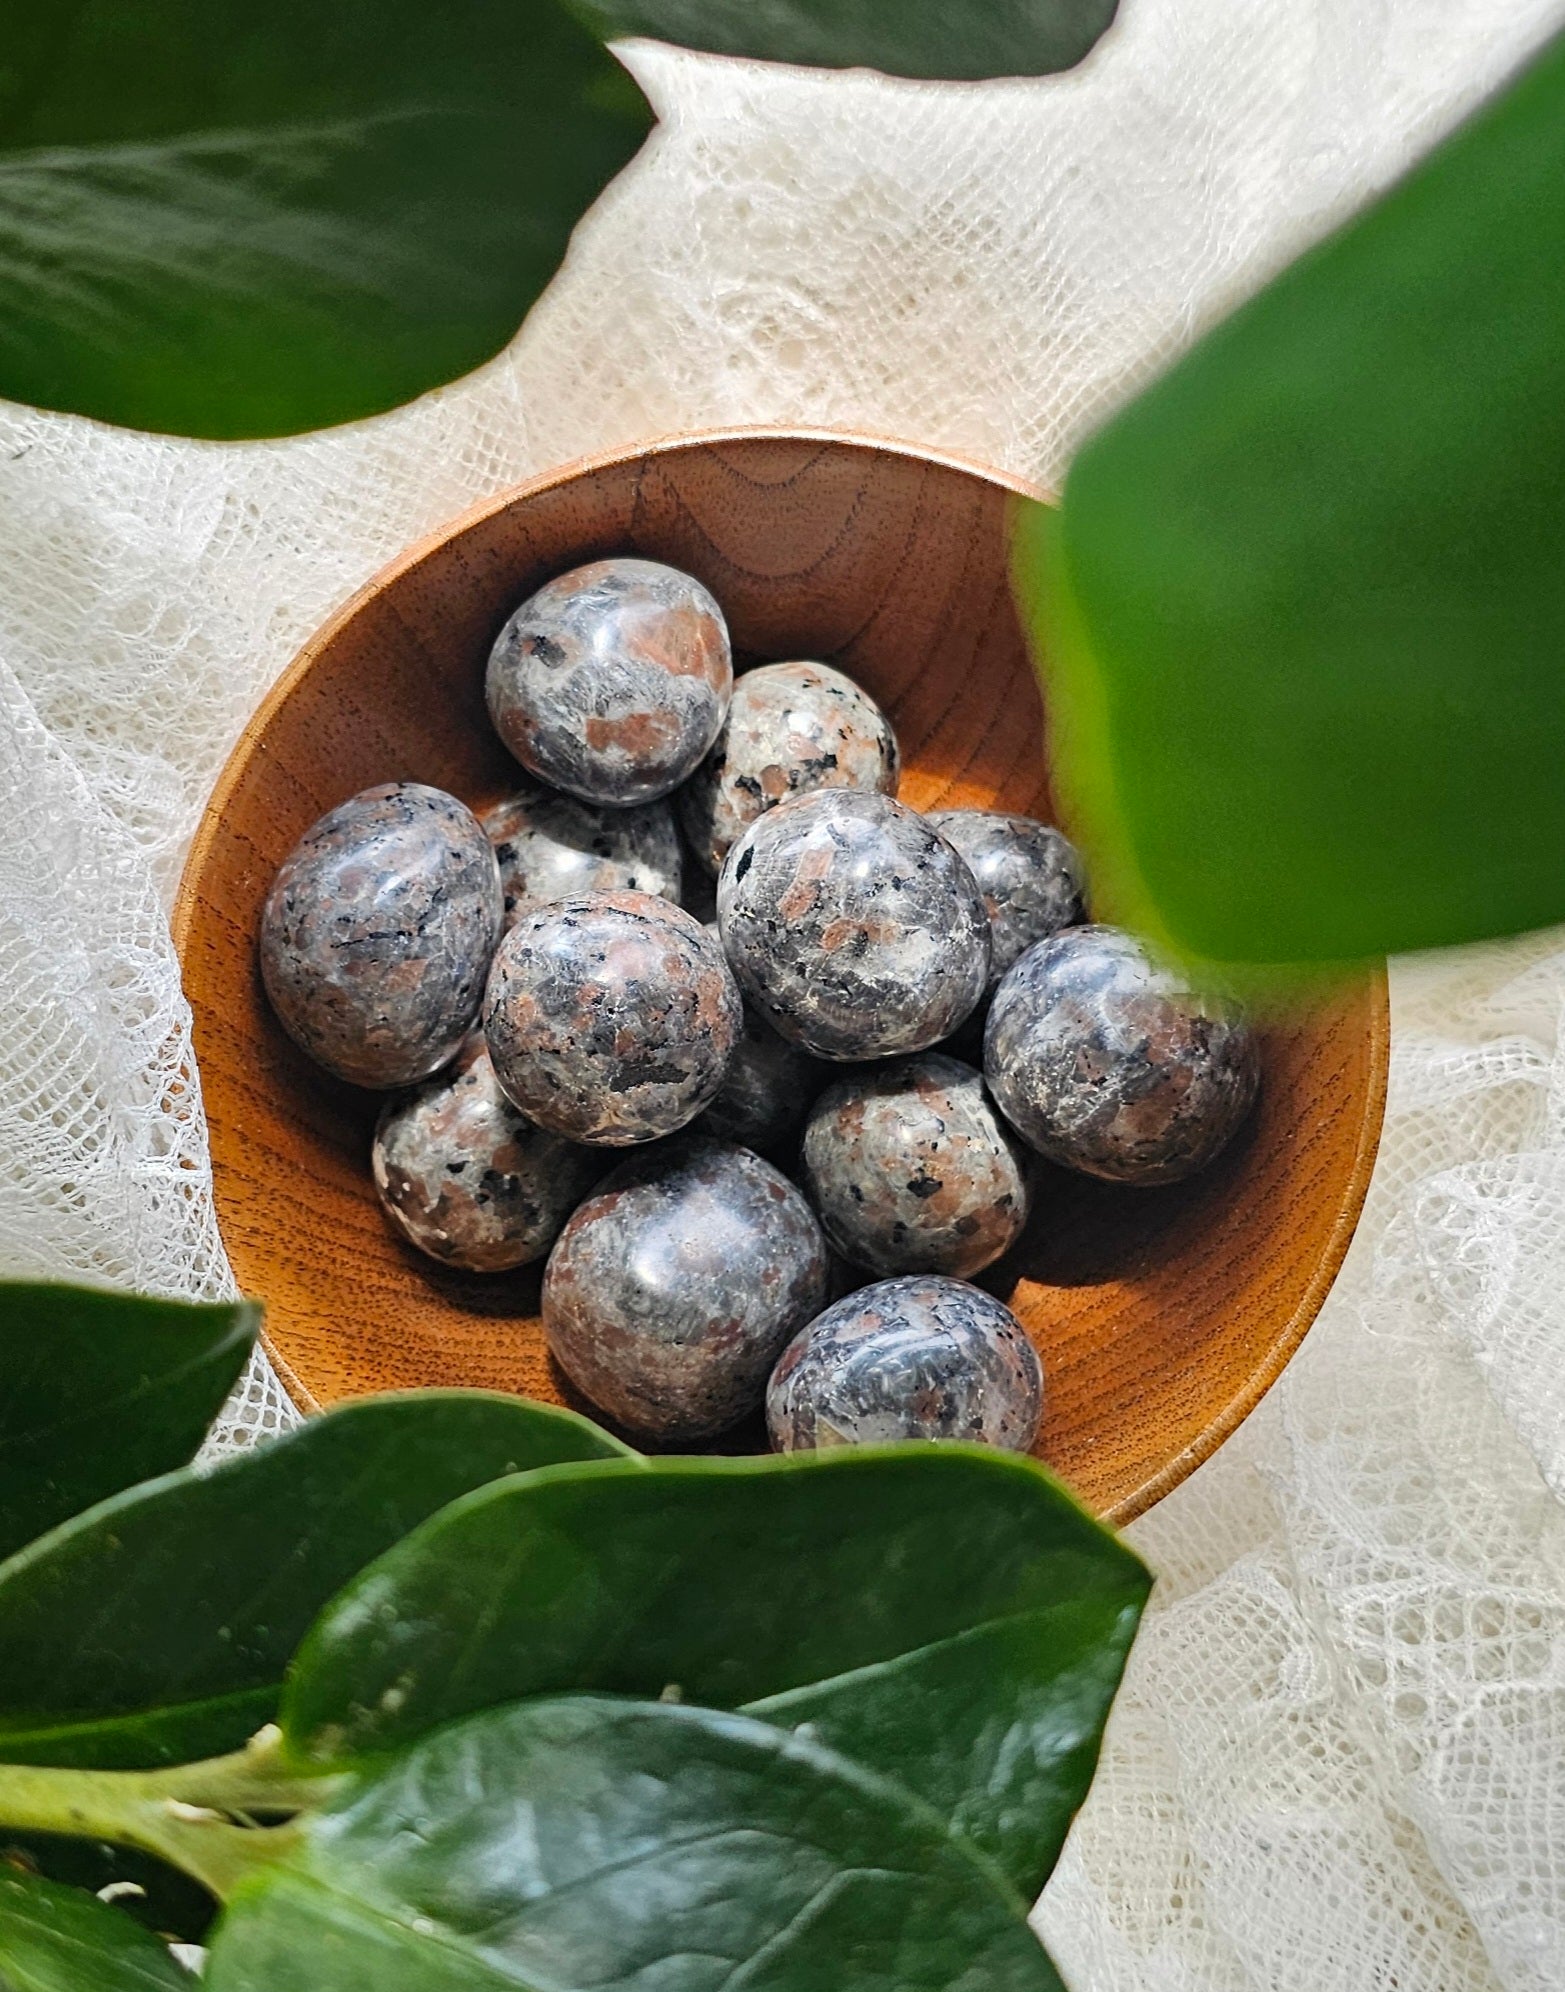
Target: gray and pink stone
column 553, row 846
column 910, row 1169
column 612, row 682
column 611, row 1017
column 378, row 931
column 1107, row 1062
column 767, row 1091
column 792, row 729
column 855, row 928
column 673, row 1288
column 915, row 1358
column 1028, row 873
column 469, row 1180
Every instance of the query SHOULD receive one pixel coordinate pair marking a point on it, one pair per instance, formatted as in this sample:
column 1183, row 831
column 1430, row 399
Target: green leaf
column 251, row 220
column 1303, row 612
column 156, row 1627
column 961, row 39
column 61, row 1940
column 870, row 1590
column 583, row 1842
column 998, row 1729
column 103, row 1389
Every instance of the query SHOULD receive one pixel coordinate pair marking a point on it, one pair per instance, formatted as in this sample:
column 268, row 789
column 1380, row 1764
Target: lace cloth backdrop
column 1339, row 1762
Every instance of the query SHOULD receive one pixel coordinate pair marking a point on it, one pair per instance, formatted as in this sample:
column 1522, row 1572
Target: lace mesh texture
column 1339, row 1763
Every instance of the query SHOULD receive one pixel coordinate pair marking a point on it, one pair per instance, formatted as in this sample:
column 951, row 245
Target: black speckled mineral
column 1105, row 1061
column 552, row 846
column 1028, row 873
column 671, row 1291
column 791, row 729
column 915, row 1358
column 613, row 681
column 855, row 928
column 611, row 1018
column 911, row 1169
column 378, row 931
column 469, row 1180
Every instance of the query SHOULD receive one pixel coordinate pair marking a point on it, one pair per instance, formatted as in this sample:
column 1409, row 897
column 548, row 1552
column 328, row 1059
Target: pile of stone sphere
column 854, row 1065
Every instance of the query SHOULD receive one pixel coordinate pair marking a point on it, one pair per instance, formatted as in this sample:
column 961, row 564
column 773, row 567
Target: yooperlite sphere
column 767, row 1091
column 553, row 846
column 916, row 1358
column 855, row 928
column 378, row 932
column 469, row 1180
column 1105, row 1061
column 671, row 1291
column 791, row 729
column 612, row 682
column 910, row 1169
column 610, row 1017
column 1028, row 873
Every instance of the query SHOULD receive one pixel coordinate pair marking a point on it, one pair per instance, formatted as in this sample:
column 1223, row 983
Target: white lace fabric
column 1339, row 1761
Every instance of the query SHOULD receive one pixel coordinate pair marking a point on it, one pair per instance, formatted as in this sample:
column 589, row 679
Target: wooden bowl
column 1162, row 1316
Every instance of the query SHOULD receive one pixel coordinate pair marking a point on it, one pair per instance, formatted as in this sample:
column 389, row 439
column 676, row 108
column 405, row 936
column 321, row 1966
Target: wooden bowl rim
column 1286, row 1343
column 486, row 508
column 1288, row 1338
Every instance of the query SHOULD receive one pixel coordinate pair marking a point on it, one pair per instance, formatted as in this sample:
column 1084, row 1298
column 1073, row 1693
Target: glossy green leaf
column 103, row 1389
column 250, row 220
column 156, row 1627
column 961, row 39
column 872, row 1589
column 998, row 1728
column 61, row 1940
column 1302, row 614
column 583, row 1842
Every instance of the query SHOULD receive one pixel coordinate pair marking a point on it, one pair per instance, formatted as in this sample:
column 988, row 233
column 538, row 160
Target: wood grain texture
column 1162, row 1316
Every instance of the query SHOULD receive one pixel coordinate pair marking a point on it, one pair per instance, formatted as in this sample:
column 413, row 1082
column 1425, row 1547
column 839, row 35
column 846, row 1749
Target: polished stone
column 911, row 1169
column 1028, row 872
column 1105, row 1061
column 553, row 846
column 792, row 729
column 611, row 1018
column 671, row 1291
column 915, row 1358
column 854, row 927
column 378, row 931
column 612, row 682
column 469, row 1180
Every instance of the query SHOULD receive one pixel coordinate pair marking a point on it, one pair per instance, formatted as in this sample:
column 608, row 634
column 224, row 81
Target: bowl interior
column 1162, row 1316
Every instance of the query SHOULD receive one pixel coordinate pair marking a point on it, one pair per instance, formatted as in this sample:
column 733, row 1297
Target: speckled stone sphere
column 767, row 1092
column 854, row 927
column 671, row 1291
column 1106, row 1062
column 791, row 729
column 467, row 1179
column 916, row 1358
column 612, row 682
column 1028, row 873
column 553, row 846
column 378, row 931
column 610, row 1017
column 911, row 1170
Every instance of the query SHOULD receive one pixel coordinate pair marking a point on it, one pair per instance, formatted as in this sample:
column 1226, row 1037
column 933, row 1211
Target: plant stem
column 199, row 1817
